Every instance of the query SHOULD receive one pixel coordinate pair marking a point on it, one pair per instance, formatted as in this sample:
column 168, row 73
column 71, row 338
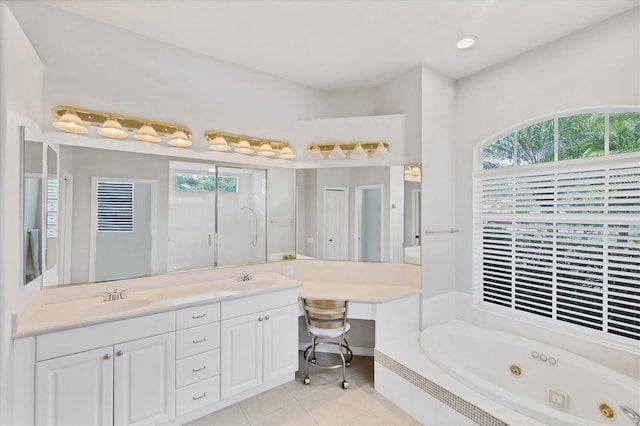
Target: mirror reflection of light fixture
column 413, row 172
column 380, row 152
column 286, row 153
column 355, row 150
column 243, row 147
column 266, row 150
column 179, row 139
column 315, row 154
column 358, row 153
column 70, row 122
column 337, row 153
column 112, row 129
column 117, row 126
column 219, row 144
column 147, row 133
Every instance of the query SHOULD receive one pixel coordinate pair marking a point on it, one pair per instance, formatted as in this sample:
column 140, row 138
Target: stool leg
column 345, row 384
column 307, row 380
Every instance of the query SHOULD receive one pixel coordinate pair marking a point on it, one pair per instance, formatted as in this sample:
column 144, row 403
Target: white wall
column 106, row 68
column 597, row 66
column 20, row 104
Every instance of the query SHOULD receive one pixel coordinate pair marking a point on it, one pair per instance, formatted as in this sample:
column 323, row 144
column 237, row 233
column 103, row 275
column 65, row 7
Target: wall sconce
column 247, row 145
column 118, row 126
column 354, row 150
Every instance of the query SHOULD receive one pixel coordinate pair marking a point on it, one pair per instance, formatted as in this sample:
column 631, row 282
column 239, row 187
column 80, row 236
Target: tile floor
column 322, row 402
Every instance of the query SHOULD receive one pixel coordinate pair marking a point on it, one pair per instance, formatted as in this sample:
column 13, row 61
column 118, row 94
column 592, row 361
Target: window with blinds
column 562, row 241
column 115, row 206
column 52, row 207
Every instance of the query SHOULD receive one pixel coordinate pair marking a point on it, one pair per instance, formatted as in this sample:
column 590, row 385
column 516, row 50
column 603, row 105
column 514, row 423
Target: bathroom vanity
column 172, row 361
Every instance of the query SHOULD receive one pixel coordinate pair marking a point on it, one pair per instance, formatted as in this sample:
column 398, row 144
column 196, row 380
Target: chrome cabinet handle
column 195, row 370
column 198, row 316
column 199, row 341
column 119, row 353
column 266, row 318
column 260, row 319
column 195, row 398
column 107, row 356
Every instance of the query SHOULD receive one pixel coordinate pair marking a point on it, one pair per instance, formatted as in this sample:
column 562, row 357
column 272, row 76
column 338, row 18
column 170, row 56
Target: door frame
column 416, row 208
column 358, row 215
column 66, row 223
column 94, row 219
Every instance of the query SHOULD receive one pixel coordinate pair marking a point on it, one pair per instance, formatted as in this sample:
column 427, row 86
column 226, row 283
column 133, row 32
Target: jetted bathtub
column 540, row 381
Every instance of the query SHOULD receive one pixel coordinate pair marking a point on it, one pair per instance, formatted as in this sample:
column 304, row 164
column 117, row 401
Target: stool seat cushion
column 328, row 332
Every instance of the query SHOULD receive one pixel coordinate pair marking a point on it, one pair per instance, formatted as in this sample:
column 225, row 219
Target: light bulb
column 286, row 153
column 219, row 143
column 147, row 133
column 112, row 129
column 179, row 139
column 243, row 148
column 70, row 122
column 266, row 150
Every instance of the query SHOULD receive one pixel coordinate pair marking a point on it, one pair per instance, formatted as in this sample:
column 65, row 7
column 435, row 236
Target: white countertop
column 355, row 292
column 77, row 313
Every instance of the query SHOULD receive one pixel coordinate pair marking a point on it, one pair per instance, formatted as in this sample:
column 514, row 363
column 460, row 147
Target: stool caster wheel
column 313, row 360
column 307, row 380
column 345, row 385
column 347, row 364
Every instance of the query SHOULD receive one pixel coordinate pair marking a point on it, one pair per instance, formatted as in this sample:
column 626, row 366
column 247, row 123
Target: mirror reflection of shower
column 254, row 225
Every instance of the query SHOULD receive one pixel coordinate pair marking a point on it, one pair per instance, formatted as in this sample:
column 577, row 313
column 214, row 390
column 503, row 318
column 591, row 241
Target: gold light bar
column 234, row 140
column 96, row 118
column 348, row 147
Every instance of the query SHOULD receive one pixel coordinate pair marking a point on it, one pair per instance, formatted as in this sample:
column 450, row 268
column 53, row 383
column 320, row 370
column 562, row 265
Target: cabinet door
column 280, row 348
column 76, row 389
column 144, row 380
column 241, row 354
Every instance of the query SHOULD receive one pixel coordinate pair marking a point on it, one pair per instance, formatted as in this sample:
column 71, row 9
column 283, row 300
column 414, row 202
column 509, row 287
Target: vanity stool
column 326, row 322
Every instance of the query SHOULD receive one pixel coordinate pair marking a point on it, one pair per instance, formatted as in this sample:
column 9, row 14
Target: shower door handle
column 209, row 239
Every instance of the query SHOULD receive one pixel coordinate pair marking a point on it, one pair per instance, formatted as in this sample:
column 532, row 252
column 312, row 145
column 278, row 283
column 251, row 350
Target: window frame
column 551, row 167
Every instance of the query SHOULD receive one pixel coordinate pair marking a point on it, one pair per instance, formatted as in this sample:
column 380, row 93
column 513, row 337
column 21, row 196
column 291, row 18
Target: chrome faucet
column 635, row 417
column 245, row 276
column 116, row 295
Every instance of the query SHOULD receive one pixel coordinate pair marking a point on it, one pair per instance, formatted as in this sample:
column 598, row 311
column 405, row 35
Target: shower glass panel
column 241, row 216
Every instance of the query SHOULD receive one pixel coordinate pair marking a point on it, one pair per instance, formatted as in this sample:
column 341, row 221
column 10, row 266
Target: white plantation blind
column 115, row 206
column 562, row 241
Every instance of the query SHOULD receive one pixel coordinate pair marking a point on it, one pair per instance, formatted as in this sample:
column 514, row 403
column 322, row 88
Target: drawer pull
column 195, row 370
column 198, row 316
column 199, row 341
column 195, row 398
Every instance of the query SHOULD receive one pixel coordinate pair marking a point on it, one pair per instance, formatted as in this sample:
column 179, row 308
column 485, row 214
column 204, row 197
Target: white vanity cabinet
column 259, row 337
column 198, row 357
column 131, row 381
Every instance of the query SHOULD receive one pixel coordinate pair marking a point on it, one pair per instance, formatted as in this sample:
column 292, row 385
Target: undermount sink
column 119, row 306
column 250, row 285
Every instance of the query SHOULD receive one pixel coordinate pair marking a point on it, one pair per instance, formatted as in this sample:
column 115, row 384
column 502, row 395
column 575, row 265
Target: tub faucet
column 635, row 417
column 245, row 276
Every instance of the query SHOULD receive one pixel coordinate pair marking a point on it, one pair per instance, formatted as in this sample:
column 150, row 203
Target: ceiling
column 342, row 45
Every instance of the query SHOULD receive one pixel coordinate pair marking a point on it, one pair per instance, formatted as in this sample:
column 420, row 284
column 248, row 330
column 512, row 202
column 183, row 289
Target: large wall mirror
column 412, row 202
column 32, row 211
column 123, row 215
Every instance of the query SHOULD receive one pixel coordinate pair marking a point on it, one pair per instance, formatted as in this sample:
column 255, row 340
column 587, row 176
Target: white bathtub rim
column 495, row 393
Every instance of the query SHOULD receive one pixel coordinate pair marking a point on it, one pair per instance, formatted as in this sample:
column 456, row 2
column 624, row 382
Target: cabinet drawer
column 197, row 340
column 197, row 367
column 198, row 315
column 197, row 395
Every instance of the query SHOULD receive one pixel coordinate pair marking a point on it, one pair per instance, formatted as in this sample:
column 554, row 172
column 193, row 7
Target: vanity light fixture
column 243, row 147
column 413, row 172
column 70, row 122
column 315, row 153
column 219, row 144
column 354, row 150
column 220, row 141
column 112, row 129
column 179, row 139
column 337, row 153
column 147, row 133
column 286, row 153
column 266, row 150
column 111, row 125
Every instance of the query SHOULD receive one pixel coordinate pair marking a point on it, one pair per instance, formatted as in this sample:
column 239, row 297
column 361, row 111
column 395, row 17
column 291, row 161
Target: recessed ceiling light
column 466, row 42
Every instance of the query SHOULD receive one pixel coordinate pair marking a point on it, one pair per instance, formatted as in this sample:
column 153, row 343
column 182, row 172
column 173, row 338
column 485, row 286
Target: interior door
column 336, row 223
